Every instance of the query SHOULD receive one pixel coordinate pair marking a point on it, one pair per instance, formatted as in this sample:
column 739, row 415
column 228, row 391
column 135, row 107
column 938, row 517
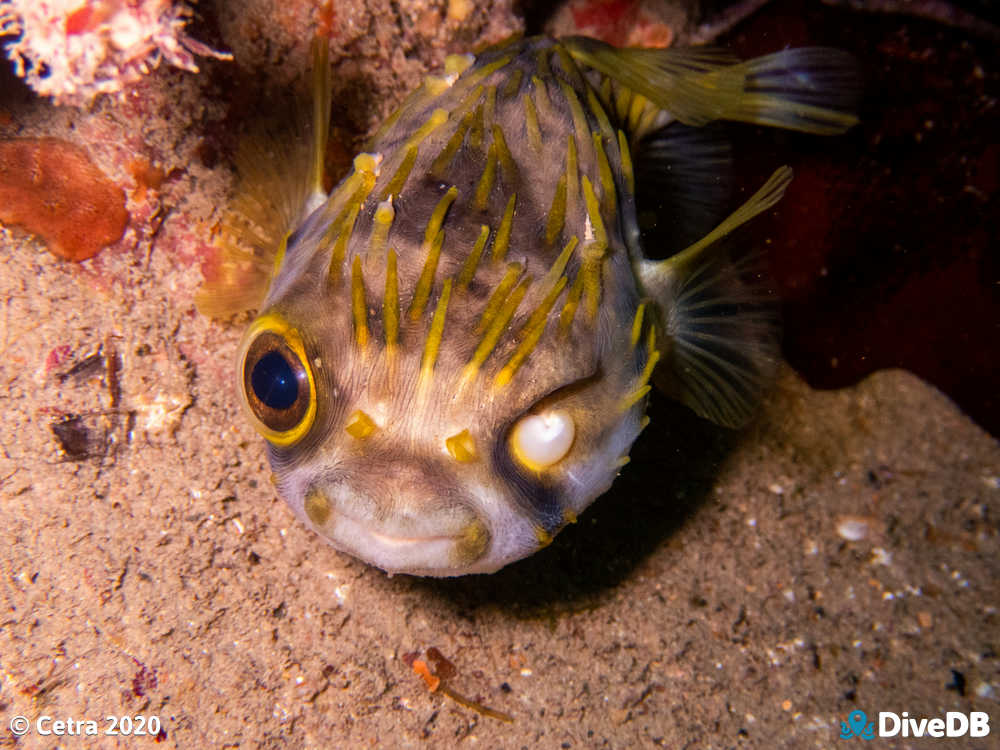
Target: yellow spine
column 529, row 335
column 395, row 185
column 642, row 383
column 557, row 212
column 390, row 303
column 633, row 398
column 476, row 77
column 607, row 95
column 572, row 178
column 608, row 198
column 358, row 304
column 569, row 66
column 496, row 300
column 636, row 110
column 633, row 338
column 626, row 157
column 531, row 123
column 542, row 99
column 340, row 246
column 462, row 447
column 572, row 302
column 384, row 214
column 593, row 256
column 576, row 110
column 468, row 271
column 433, row 342
column 597, row 109
column 359, row 425
column 623, row 101
column 503, row 233
column 443, row 159
column 476, row 128
column 553, row 274
column 455, row 65
column 423, row 291
column 433, row 240
column 485, row 184
column 594, row 212
column 505, row 157
column 496, row 329
column 513, row 84
column 438, row 117
column 542, row 63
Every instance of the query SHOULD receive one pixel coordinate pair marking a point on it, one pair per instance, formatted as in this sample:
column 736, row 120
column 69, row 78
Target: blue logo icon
column 857, row 725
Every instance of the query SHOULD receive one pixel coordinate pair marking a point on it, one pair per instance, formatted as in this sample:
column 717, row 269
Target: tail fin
column 719, row 325
column 812, row 89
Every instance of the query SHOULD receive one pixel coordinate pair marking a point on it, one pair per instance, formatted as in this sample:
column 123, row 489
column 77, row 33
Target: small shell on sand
column 855, row 528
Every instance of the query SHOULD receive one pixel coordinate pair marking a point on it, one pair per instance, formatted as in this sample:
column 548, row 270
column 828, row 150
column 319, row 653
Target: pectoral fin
column 718, row 319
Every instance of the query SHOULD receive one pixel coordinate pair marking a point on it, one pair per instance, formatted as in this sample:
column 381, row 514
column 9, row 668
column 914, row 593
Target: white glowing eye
column 540, row 440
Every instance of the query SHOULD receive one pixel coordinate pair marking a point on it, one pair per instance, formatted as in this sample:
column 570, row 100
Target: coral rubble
column 73, row 51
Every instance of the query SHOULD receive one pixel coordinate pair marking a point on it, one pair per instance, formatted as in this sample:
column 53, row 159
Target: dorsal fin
column 280, row 182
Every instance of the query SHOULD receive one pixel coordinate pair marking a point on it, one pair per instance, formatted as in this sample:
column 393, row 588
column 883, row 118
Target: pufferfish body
column 454, row 350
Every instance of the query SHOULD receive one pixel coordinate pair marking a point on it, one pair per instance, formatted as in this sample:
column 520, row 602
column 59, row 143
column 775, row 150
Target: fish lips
column 405, row 531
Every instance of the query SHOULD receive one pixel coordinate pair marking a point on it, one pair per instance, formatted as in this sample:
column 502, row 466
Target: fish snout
column 399, row 520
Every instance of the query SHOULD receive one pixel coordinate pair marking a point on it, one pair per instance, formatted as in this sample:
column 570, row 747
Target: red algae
column 623, row 23
column 52, row 188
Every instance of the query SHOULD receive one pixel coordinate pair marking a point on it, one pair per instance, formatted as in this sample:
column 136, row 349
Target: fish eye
column 277, row 383
column 274, row 381
column 539, row 441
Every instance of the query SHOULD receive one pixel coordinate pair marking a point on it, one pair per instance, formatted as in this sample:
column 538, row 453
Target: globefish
column 454, row 347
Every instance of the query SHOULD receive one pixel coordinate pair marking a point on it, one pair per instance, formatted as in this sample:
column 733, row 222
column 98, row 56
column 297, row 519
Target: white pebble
column 881, row 557
column 852, row 528
column 986, row 690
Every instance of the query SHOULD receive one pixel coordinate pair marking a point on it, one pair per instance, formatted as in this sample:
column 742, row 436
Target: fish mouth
column 445, row 544
column 400, row 541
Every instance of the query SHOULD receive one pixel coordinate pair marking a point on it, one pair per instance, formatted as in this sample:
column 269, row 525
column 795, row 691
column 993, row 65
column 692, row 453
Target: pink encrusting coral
column 74, row 50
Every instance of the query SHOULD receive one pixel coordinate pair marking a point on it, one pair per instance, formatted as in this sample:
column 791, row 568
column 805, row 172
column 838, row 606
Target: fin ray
column 812, row 89
column 688, row 172
column 718, row 321
column 280, row 181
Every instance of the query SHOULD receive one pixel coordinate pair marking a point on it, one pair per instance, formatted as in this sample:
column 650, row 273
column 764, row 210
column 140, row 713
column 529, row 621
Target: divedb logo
column 953, row 724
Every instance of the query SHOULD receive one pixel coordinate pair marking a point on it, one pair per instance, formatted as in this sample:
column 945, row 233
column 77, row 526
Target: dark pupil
column 274, row 382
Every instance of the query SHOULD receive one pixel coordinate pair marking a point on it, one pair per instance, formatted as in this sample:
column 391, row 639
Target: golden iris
column 278, row 384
